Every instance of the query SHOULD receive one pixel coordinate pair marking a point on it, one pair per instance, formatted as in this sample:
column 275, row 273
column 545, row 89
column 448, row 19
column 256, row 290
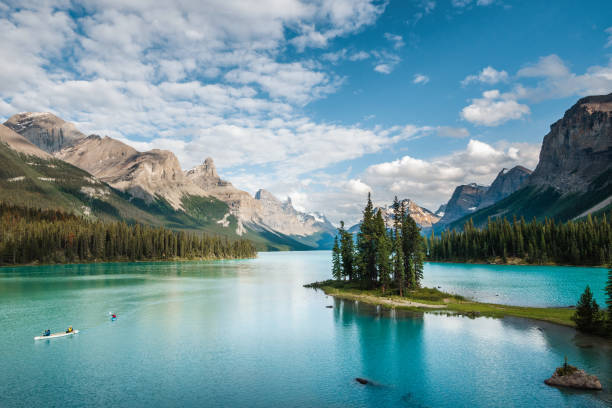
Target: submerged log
column 361, row 380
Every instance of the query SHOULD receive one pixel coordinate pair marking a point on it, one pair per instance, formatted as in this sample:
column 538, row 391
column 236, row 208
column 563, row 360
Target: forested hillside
column 48, row 236
column 587, row 242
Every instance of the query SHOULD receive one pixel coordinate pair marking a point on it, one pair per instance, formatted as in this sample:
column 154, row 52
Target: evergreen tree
column 383, row 251
column 347, row 255
column 366, row 246
column 588, row 317
column 398, row 253
column 337, row 267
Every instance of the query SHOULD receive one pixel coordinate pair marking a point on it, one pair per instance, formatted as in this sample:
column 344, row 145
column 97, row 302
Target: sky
column 322, row 101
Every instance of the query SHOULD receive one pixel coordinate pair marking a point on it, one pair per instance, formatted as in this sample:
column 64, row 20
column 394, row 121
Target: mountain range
column 573, row 177
column 50, row 163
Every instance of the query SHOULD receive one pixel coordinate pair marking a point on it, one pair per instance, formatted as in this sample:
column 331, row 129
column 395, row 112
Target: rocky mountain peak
column 578, row 148
column 265, row 195
column 45, row 130
column 465, row 199
column 507, row 182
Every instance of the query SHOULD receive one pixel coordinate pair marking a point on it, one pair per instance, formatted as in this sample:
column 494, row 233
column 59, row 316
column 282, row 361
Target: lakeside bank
column 434, row 300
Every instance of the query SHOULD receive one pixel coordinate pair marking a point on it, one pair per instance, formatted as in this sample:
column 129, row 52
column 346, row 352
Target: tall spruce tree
column 588, row 317
column 398, row 253
column 336, row 266
column 347, row 252
column 383, row 251
column 366, row 246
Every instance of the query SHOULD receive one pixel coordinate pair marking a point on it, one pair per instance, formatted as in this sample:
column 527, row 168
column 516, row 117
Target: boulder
column 572, row 377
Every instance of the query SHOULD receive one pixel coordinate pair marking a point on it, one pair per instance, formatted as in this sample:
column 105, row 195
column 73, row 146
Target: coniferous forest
column 381, row 257
column 585, row 242
column 29, row 235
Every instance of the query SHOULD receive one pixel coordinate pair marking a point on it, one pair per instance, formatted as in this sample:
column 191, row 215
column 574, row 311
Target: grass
column 446, row 301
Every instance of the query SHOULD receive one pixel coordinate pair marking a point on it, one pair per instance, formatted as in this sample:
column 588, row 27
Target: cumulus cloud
column 555, row 79
column 358, row 187
column 494, row 108
column 488, row 75
column 420, row 79
column 432, row 181
column 385, row 62
column 397, row 40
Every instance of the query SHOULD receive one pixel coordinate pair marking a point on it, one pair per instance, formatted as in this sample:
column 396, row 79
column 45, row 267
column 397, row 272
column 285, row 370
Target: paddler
column 47, row 333
column 69, row 330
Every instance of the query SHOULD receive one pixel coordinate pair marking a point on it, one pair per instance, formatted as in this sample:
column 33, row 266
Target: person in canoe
column 47, row 333
column 69, row 330
column 114, row 316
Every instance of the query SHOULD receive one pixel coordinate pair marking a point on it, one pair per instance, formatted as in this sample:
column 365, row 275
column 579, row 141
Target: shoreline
column 515, row 264
column 117, row 261
column 451, row 303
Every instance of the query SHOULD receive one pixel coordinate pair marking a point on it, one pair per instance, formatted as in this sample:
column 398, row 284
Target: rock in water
column 573, row 377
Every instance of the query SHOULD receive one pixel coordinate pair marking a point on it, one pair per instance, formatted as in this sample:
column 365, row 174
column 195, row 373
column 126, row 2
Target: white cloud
column 555, row 80
column 488, row 75
column 609, row 32
column 385, row 61
column 359, row 56
column 465, row 3
column 453, row 132
column 493, row 109
column 420, row 79
column 397, row 40
column 431, row 182
column 358, row 187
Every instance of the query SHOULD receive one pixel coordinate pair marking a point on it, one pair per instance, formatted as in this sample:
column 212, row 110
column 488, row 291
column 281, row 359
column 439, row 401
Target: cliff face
column 20, row 144
column 506, row 183
column 465, row 200
column 422, row 216
column 145, row 175
column 45, row 130
column 578, row 147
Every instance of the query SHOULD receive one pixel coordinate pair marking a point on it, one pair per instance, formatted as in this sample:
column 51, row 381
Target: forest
column 585, row 242
column 30, row 235
column 389, row 259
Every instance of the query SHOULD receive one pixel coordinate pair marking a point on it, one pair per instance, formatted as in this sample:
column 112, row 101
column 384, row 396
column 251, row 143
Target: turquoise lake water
column 246, row 333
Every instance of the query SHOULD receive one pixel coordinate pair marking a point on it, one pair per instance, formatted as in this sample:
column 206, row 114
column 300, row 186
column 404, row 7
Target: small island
column 572, row 377
column 385, row 267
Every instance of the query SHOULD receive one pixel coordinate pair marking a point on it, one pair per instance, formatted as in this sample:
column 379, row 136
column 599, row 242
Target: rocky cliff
column 506, row 183
column 578, row 148
column 45, row 130
column 465, row 200
column 20, row 144
column 145, row 175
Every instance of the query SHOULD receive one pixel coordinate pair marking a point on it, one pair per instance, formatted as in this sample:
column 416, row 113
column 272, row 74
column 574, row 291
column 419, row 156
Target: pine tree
column 366, row 246
column 588, row 317
column 347, row 255
column 398, row 253
column 337, row 267
column 383, row 251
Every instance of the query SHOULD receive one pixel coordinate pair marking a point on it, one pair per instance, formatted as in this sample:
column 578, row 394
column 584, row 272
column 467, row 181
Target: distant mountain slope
column 153, row 184
column 465, row 200
column 421, row 215
column 574, row 173
column 506, row 183
column 45, row 130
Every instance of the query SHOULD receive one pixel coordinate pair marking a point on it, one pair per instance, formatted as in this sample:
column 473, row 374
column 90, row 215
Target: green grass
column 453, row 303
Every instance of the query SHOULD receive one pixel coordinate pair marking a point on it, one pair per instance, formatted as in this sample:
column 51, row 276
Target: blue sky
column 319, row 100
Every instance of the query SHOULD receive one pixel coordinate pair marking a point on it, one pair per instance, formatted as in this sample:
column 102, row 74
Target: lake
column 246, row 333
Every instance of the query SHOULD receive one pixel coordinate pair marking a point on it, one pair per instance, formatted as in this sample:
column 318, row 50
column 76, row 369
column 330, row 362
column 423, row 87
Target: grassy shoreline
column 427, row 300
column 511, row 262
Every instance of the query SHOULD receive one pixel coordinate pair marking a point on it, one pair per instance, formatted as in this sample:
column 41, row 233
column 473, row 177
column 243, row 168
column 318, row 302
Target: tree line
column 589, row 317
column 30, row 235
column 587, row 242
column 389, row 258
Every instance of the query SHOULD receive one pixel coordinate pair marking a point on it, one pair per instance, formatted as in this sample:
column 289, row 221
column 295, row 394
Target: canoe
column 54, row 335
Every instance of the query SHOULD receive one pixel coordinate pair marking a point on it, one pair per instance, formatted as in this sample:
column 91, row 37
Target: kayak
column 54, row 335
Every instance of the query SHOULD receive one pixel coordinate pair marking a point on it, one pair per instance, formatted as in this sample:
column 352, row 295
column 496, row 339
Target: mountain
column 45, row 130
column 145, row 175
column 465, row 200
column 573, row 177
column 422, row 216
column 154, row 186
column 506, row 183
